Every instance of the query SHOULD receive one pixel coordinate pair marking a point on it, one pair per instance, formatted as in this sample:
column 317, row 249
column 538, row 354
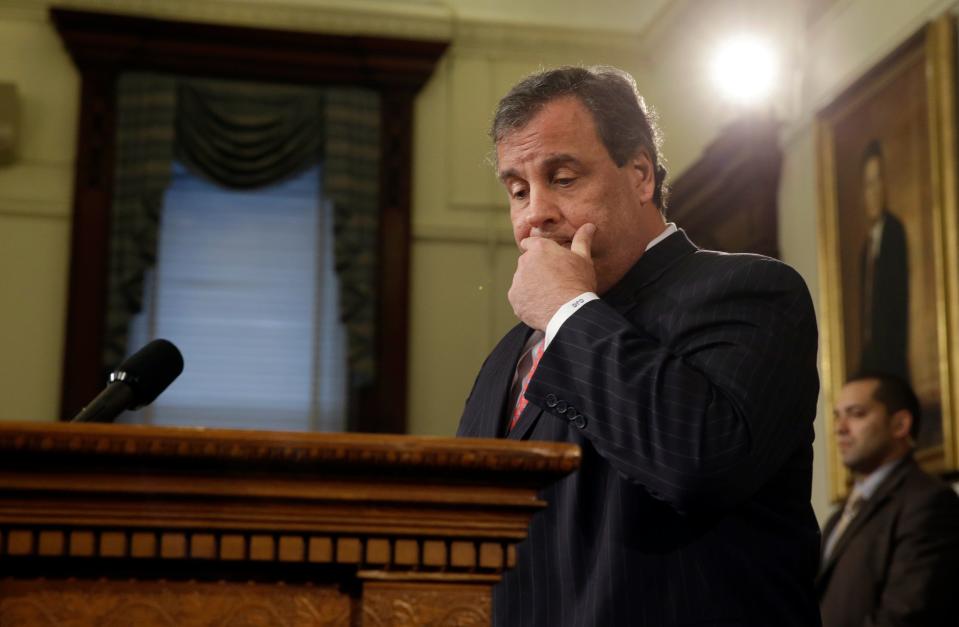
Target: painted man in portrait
column 885, row 278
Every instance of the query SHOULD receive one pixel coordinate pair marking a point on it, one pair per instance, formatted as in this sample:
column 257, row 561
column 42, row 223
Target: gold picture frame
column 902, row 110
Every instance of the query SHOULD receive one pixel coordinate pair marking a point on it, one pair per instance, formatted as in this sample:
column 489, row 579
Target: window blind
column 244, row 285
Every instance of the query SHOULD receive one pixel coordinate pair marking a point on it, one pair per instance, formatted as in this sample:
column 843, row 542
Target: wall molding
column 820, row 96
column 449, row 234
column 354, row 17
column 29, row 209
column 28, row 10
column 344, row 17
column 503, row 39
column 37, row 189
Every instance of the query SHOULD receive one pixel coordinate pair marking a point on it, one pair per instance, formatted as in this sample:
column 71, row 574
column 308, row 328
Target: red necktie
column 521, row 402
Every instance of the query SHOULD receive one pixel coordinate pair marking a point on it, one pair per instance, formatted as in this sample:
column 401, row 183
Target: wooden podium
column 120, row 525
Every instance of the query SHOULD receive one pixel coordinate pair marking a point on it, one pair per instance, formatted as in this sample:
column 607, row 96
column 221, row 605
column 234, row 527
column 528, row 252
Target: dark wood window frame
column 104, row 45
column 728, row 200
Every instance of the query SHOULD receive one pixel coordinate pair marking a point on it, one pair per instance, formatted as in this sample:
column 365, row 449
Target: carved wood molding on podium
column 364, row 529
column 143, row 604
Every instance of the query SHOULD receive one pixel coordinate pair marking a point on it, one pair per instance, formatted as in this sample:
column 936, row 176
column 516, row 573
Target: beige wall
column 35, row 202
column 462, row 251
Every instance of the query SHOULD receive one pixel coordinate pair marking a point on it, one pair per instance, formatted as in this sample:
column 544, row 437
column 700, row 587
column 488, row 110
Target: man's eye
column 564, row 181
column 518, row 194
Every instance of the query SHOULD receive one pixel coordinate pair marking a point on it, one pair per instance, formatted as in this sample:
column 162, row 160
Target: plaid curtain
column 351, row 181
column 144, row 154
column 246, row 135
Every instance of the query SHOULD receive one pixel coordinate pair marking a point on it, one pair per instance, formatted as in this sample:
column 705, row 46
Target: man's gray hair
column 624, row 123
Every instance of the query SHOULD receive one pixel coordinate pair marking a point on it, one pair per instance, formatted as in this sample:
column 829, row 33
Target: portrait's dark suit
column 885, row 307
column 691, row 387
column 897, row 564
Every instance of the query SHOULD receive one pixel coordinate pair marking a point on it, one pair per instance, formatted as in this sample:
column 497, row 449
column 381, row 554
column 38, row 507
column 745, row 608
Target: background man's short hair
column 624, row 123
column 895, row 394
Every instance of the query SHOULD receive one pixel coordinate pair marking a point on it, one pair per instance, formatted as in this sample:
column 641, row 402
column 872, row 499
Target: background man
column 688, row 378
column 891, row 553
column 885, row 275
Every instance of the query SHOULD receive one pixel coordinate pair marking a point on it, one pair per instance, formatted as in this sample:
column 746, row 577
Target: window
column 244, row 285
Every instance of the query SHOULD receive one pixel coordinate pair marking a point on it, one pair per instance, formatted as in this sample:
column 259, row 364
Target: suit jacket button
column 580, row 421
column 551, row 400
column 561, row 407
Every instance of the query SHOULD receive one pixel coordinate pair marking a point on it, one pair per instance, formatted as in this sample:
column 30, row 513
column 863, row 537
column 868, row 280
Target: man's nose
column 841, row 425
column 542, row 210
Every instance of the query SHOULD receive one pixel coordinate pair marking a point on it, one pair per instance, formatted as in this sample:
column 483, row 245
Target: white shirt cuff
column 563, row 313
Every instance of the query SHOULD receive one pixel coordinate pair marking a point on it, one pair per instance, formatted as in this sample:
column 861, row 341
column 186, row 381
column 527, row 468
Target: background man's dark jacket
column 691, row 387
column 897, row 564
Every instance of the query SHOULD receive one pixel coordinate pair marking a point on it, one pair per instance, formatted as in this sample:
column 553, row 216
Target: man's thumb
column 583, row 241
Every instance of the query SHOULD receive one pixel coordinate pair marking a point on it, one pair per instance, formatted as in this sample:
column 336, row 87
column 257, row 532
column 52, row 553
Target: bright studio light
column 744, row 69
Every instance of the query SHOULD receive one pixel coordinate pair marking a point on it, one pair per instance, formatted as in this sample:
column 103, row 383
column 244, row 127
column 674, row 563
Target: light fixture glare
column 744, row 69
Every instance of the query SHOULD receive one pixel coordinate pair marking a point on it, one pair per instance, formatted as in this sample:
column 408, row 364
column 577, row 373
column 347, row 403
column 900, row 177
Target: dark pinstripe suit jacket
column 691, row 387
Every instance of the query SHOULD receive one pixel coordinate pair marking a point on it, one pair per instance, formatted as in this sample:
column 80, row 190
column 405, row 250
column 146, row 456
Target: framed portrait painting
column 888, row 254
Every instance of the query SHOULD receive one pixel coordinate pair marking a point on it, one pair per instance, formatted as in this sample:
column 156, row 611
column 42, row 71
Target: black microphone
column 136, row 383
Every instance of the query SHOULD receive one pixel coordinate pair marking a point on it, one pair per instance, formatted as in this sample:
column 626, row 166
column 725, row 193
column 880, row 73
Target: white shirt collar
column 868, row 486
column 875, row 236
column 669, row 230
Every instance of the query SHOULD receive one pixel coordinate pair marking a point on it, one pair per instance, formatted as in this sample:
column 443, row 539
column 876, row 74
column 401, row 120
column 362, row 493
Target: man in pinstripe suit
column 688, row 377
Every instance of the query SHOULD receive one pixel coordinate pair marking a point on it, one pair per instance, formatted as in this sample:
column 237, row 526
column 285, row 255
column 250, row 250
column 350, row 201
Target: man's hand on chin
column 548, row 275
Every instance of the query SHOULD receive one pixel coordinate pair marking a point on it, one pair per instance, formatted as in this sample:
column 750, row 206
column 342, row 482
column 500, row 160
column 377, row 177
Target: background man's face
column 864, row 427
column 873, row 193
column 559, row 176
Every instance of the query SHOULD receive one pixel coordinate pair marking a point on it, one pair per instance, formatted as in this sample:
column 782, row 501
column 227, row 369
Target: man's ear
column 901, row 424
column 643, row 175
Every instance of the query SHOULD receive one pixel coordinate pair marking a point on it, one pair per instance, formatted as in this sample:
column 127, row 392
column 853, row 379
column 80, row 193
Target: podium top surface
column 143, row 446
